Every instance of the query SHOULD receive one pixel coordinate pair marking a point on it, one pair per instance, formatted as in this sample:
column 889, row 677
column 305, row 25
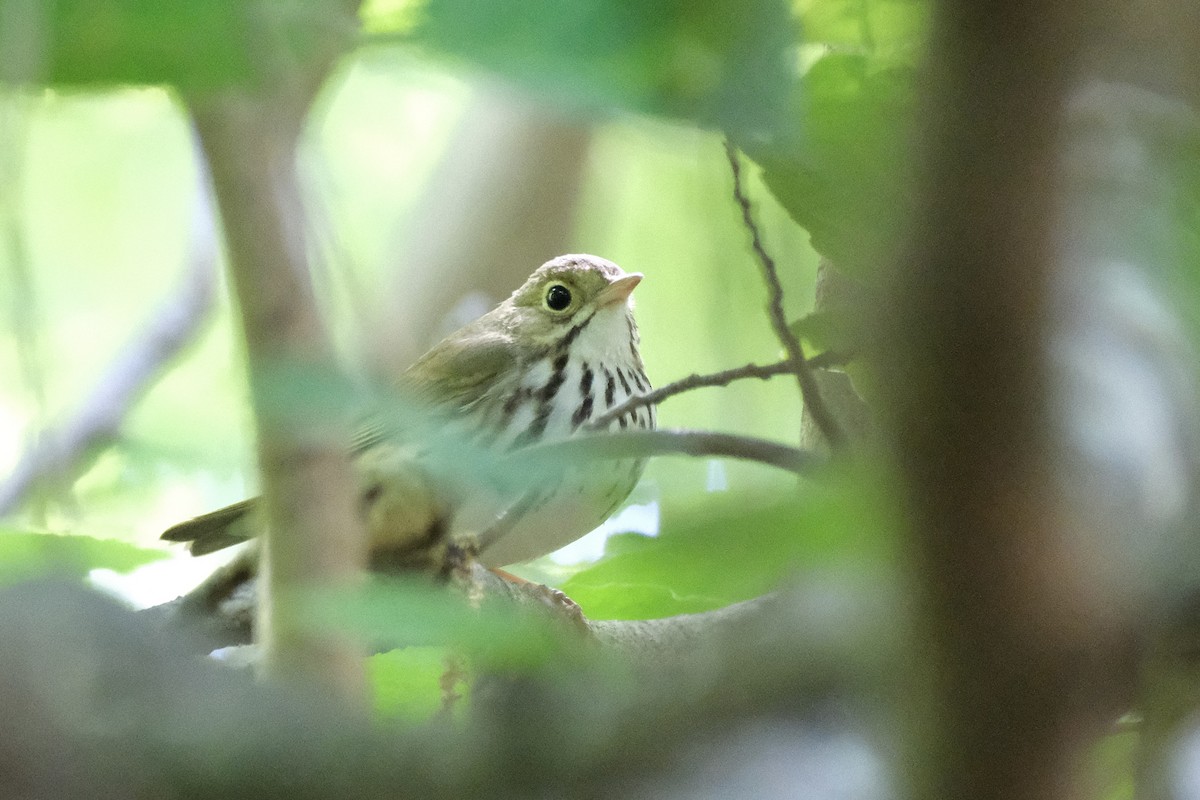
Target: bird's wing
column 452, row 377
column 216, row 529
column 459, row 372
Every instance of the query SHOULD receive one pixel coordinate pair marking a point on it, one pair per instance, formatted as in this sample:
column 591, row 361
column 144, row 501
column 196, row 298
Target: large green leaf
column 840, row 165
column 407, row 682
column 735, row 547
column 843, row 173
column 196, row 45
column 23, row 553
column 723, row 63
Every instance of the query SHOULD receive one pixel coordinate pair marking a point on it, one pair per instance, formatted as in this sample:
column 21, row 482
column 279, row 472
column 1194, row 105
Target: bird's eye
column 558, row 297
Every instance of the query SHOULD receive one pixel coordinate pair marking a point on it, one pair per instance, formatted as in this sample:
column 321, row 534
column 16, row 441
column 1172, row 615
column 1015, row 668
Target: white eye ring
column 558, row 297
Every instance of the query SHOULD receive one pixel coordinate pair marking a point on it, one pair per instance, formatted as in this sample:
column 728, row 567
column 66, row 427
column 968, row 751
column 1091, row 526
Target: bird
column 563, row 349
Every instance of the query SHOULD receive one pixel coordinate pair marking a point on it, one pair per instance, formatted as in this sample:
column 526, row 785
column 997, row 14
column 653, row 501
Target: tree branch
column 312, row 535
column 723, row 378
column 61, row 454
column 141, row 718
column 809, row 391
column 693, row 381
column 643, row 444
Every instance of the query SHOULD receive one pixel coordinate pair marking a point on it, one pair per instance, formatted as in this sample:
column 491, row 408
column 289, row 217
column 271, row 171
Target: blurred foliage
column 1111, row 763
column 25, row 553
column 108, row 194
column 402, row 613
column 842, row 167
column 740, row 547
column 722, row 63
column 200, row 45
column 843, row 175
column 406, row 682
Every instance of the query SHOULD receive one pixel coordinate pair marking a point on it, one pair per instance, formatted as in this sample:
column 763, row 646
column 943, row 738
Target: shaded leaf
column 722, row 63
column 844, row 176
column 198, row 45
column 405, row 613
column 406, row 682
column 24, row 553
column 733, row 548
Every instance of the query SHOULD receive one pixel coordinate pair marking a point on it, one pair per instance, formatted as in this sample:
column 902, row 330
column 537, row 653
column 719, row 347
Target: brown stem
column 312, row 533
column 809, row 391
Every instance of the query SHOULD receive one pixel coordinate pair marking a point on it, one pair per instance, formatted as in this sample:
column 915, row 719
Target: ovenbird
column 561, row 350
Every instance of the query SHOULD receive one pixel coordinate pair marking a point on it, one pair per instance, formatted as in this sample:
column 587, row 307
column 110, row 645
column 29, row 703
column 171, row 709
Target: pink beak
column 619, row 290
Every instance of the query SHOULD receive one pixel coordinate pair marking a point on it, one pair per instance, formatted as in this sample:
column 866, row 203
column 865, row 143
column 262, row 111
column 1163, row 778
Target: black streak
column 544, row 396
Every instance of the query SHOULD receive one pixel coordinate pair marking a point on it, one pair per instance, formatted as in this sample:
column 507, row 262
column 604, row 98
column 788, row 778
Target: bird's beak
column 619, row 290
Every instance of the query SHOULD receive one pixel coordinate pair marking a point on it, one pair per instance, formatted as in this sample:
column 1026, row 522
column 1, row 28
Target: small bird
column 560, row 351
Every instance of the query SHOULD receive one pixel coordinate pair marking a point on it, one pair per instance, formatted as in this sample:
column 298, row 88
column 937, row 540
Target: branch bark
column 312, row 534
column 62, row 454
column 1010, row 624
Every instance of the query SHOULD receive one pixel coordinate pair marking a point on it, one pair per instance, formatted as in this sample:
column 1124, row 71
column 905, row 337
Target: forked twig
column 809, row 391
column 722, row 378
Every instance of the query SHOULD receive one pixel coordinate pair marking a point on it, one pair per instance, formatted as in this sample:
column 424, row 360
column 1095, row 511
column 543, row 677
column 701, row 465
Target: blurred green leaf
column 733, row 548
column 825, row 331
column 389, row 16
column 722, row 63
column 24, row 553
column 886, row 28
column 844, row 176
column 406, row 682
column 1111, row 764
column 404, row 613
column 197, row 45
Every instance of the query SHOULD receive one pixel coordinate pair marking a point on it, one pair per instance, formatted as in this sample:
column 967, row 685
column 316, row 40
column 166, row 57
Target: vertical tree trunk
column 1008, row 620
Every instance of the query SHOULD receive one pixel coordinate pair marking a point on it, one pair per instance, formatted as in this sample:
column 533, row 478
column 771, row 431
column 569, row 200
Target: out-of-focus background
column 435, row 192
column 989, row 570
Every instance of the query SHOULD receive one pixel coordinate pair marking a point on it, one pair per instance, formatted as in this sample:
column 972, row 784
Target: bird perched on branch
column 561, row 350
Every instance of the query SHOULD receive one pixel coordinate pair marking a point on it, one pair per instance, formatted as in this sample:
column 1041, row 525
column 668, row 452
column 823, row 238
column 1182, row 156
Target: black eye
column 558, row 297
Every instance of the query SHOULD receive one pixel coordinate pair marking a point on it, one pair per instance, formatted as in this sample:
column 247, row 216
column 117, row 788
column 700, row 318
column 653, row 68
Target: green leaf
column 883, row 28
column 823, row 330
column 407, row 682
column 196, row 45
column 24, row 553
column 723, row 63
column 407, row 613
column 733, row 548
column 389, row 16
column 845, row 176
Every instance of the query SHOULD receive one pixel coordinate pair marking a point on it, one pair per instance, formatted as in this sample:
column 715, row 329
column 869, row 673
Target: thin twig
column 642, row 444
column 722, row 378
column 809, row 391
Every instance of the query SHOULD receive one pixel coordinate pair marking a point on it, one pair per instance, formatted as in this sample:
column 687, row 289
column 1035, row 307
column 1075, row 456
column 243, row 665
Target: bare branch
column 642, row 444
column 64, row 453
column 722, row 378
column 693, row 381
column 791, row 345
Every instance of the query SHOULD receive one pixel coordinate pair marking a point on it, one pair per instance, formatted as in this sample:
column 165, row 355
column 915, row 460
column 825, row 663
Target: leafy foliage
column 407, row 682
column 722, row 63
column 735, row 547
column 841, row 172
column 201, row 45
column 25, row 553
